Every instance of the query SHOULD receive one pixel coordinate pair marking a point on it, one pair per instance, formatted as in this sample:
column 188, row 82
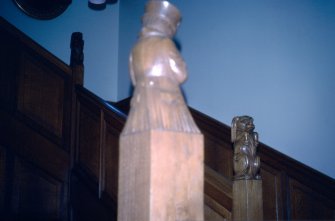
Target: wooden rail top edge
column 5, row 25
column 268, row 155
column 82, row 91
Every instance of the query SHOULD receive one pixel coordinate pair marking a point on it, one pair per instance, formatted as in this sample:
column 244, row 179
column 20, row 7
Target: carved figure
column 77, row 46
column 246, row 162
column 157, row 70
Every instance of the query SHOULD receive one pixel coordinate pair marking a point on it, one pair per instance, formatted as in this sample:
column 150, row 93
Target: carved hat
column 161, row 16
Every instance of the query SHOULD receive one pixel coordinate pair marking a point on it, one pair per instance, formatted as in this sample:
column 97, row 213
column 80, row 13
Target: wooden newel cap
column 161, row 16
column 77, row 47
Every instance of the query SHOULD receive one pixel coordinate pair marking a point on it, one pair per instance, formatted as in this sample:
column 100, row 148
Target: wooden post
column 77, row 66
column 161, row 176
column 77, row 57
column 161, row 172
column 247, row 185
column 247, row 200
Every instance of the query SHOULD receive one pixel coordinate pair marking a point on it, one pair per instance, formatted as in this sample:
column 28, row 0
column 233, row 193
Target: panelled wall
column 96, row 158
column 99, row 125
column 291, row 190
column 36, row 91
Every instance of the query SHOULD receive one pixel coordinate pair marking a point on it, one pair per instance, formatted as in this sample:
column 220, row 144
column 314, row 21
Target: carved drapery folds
column 246, row 161
column 157, row 70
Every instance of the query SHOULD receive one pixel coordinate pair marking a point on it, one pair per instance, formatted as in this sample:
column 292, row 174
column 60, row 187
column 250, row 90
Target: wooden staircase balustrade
column 36, row 91
column 35, row 147
column 102, row 164
column 284, row 189
column 96, row 158
column 290, row 189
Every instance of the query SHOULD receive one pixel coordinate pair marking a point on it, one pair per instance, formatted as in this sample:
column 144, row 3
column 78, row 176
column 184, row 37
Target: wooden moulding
column 247, row 200
column 161, row 176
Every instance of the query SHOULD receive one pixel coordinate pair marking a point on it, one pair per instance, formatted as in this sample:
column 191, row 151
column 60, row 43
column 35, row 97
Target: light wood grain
column 161, row 176
column 247, row 200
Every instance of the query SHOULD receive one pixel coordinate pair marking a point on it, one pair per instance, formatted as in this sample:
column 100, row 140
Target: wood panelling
column 94, row 179
column 37, row 101
column 86, row 206
column 291, row 190
column 36, row 95
column 272, row 193
column 37, row 148
column 308, row 205
column 218, row 195
column 36, row 194
column 218, row 152
column 41, row 93
column 8, row 69
column 113, row 126
column 111, row 159
column 98, row 129
column 218, row 188
column 2, row 178
column 35, row 85
column 89, row 139
column 218, row 157
column 211, row 214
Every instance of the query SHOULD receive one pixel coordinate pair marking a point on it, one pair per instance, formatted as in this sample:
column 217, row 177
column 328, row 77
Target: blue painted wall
column 270, row 59
column 130, row 23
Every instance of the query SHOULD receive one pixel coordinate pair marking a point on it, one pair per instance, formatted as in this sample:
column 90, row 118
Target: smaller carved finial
column 77, row 46
column 246, row 162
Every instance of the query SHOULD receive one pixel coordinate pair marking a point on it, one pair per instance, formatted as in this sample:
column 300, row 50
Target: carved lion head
column 241, row 124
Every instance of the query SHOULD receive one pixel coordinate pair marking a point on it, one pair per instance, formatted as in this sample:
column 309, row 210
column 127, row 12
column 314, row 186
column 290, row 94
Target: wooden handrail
column 285, row 190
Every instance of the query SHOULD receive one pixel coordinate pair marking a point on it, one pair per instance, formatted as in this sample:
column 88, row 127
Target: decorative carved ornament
column 246, row 162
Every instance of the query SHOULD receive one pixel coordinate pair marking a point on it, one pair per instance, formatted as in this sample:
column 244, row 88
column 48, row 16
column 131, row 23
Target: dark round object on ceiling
column 43, row 9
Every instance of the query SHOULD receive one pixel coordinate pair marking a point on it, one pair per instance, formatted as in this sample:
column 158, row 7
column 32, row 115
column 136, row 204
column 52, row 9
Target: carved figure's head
column 241, row 124
column 162, row 17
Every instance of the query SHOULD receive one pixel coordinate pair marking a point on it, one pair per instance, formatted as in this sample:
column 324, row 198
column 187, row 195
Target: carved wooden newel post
column 161, row 171
column 77, row 57
column 247, row 185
